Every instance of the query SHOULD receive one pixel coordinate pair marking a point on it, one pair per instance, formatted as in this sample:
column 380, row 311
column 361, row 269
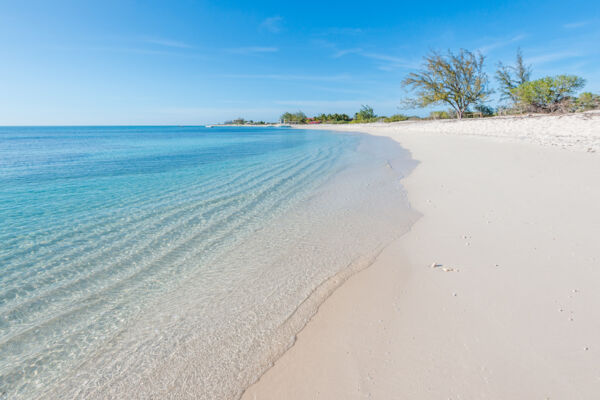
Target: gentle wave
column 176, row 256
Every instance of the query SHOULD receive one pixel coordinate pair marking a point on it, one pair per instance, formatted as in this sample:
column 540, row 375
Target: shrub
column 396, row 118
column 333, row 118
column 440, row 115
column 548, row 94
column 587, row 101
column 485, row 111
column 365, row 121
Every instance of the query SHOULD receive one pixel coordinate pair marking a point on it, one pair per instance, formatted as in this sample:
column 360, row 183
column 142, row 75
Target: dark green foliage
column 454, row 79
column 293, row 118
column 366, row 114
column 333, row 118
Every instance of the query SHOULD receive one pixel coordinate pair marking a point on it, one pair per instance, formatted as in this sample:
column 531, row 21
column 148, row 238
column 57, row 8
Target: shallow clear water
column 177, row 261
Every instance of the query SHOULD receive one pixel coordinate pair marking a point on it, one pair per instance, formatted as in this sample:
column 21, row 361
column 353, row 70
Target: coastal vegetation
column 587, row 101
column 511, row 77
column 242, row 121
column 293, row 118
column 548, row 94
column 459, row 81
column 397, row 118
column 441, row 115
column 333, row 118
column 364, row 115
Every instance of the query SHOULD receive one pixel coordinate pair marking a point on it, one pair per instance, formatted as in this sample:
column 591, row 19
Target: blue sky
column 196, row 62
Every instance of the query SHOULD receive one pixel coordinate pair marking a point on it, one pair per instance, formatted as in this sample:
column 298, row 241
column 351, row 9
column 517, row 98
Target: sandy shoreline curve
column 491, row 295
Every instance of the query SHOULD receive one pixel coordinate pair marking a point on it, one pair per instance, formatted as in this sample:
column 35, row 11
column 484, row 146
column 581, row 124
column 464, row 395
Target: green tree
column 454, row 79
column 366, row 113
column 509, row 77
column 293, row 118
column 548, row 94
column 300, row 117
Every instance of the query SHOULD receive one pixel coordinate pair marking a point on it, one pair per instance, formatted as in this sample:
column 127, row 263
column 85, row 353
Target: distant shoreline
column 246, row 125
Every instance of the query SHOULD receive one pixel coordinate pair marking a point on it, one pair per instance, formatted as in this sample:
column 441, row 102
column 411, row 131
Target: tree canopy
column 333, row 117
column 454, row 79
column 366, row 113
column 548, row 94
column 509, row 77
column 294, row 118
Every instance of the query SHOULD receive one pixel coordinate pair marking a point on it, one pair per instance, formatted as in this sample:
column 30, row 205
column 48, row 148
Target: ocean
column 178, row 262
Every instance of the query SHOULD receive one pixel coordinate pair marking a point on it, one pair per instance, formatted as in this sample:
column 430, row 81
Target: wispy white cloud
column 500, row 43
column 345, row 90
column 134, row 50
column 290, row 77
column 385, row 62
column 253, row 50
column 575, row 25
column 341, row 53
column 168, row 43
column 384, row 57
column 555, row 56
column 272, row 24
column 149, row 51
column 389, row 62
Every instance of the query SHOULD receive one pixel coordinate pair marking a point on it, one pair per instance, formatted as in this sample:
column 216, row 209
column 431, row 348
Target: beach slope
column 493, row 294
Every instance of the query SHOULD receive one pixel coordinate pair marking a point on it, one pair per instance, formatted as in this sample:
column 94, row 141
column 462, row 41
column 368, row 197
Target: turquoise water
column 134, row 255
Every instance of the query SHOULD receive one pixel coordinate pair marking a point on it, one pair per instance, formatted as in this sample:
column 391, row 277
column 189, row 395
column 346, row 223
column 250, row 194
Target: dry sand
column 513, row 312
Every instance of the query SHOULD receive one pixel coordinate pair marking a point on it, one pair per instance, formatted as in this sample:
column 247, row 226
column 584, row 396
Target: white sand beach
column 511, row 309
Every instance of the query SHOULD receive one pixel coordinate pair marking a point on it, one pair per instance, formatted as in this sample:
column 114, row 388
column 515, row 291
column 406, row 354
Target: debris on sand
column 451, row 270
